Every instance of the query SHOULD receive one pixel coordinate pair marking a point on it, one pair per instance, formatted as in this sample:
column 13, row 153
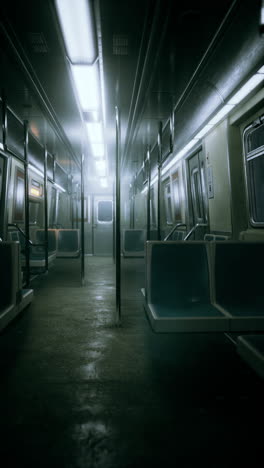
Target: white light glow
column 77, row 28
column 95, row 115
column 86, row 80
column 104, row 182
column 100, row 167
column 95, row 132
column 261, row 70
column 221, row 114
column 98, row 150
column 203, row 132
column 179, row 155
column 262, row 15
column 153, row 181
column 247, row 88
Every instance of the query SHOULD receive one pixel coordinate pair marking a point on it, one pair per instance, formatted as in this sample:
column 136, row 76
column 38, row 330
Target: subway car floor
column 77, row 391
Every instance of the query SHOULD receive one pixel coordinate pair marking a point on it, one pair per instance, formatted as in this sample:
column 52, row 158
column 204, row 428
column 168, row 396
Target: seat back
column 239, row 273
column 134, row 242
column 10, row 278
column 177, row 273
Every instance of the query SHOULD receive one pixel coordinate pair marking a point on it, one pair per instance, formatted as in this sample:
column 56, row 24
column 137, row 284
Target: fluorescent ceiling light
column 247, row 88
column 86, row 80
column 262, row 13
column 95, row 132
column 153, row 181
column 179, row 155
column 76, row 21
column 221, row 114
column 261, row 70
column 98, row 150
column 104, row 182
column 203, row 132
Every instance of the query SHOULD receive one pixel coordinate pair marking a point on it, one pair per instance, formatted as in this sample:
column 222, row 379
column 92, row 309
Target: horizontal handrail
column 174, row 229
column 24, row 235
column 193, row 229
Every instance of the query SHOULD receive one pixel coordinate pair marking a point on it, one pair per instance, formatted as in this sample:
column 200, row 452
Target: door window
column 19, row 197
column 105, row 211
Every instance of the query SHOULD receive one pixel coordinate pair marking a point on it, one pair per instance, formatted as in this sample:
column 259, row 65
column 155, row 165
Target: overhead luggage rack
column 189, row 287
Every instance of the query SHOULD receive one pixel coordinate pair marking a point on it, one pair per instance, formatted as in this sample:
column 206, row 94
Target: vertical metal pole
column 159, row 180
column 46, row 234
column 117, row 221
column 133, row 202
column 72, row 207
column 82, row 223
column 114, row 225
column 148, row 193
column 7, row 171
column 27, row 246
column 4, row 119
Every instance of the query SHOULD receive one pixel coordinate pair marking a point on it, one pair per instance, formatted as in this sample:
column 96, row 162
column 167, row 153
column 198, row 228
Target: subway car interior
column 131, row 232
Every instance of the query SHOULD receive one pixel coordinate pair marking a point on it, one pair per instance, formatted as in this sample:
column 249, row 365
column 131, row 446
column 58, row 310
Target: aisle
column 78, row 392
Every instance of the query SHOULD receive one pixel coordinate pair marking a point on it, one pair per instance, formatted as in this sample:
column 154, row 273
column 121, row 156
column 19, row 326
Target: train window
column 256, row 188
column 105, row 211
column 254, row 143
column 176, row 195
column 18, row 215
column 197, row 193
column 255, row 139
column 168, row 203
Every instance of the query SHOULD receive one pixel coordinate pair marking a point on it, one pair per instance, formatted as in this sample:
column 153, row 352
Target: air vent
column 120, row 44
column 38, row 43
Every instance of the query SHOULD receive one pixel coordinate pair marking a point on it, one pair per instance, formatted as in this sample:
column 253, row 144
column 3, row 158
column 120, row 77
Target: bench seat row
column 61, row 243
column 200, row 286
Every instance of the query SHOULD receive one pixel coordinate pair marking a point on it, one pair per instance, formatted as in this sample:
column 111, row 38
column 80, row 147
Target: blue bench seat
column 238, row 280
column 199, row 286
column 178, row 293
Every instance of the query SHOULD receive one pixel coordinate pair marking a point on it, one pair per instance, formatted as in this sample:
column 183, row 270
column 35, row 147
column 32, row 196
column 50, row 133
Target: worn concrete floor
column 78, row 392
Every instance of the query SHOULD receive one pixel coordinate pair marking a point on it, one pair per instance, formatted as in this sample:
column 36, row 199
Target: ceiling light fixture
column 97, row 150
column 86, row 79
column 95, row 132
column 76, row 21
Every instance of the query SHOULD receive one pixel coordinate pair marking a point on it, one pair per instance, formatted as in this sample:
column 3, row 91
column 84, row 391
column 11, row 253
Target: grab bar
column 174, row 229
column 193, row 229
column 24, row 235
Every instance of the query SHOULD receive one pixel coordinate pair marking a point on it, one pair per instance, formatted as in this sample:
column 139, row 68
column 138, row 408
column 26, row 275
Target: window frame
column 250, row 156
